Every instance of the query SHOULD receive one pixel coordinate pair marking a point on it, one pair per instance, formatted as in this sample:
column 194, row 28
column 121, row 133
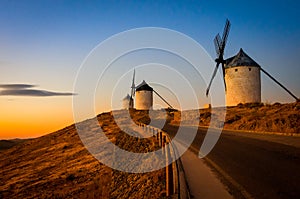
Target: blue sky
column 44, row 42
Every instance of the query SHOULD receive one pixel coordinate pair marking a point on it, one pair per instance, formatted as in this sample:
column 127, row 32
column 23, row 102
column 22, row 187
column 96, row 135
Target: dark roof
column 144, row 87
column 227, row 61
column 241, row 59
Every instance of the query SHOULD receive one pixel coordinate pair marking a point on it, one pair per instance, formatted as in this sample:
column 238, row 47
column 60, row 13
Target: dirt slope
column 58, row 166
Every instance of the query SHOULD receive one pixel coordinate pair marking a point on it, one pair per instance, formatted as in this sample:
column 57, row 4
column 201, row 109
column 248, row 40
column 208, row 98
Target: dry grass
column 6, row 144
column 279, row 118
column 59, row 166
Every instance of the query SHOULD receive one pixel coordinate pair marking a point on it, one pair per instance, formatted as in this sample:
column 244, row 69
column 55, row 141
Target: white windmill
column 241, row 74
column 143, row 94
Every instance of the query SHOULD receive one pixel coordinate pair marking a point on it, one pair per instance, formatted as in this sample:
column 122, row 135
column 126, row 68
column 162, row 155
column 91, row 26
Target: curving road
column 266, row 166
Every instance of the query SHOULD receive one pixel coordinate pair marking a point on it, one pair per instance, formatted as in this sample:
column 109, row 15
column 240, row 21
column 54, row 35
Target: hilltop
column 6, row 144
column 255, row 117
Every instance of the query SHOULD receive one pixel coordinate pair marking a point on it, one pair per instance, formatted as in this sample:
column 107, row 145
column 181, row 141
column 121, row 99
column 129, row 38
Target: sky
column 44, row 43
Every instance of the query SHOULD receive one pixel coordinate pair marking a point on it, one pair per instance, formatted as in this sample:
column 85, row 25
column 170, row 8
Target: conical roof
column 144, row 87
column 127, row 97
column 241, row 59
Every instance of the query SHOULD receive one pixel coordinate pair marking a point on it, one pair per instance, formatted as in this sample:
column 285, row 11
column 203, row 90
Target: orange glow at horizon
column 34, row 117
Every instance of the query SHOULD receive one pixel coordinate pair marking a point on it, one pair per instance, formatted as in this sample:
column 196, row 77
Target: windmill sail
column 213, row 76
column 133, row 85
column 220, row 46
column 132, row 91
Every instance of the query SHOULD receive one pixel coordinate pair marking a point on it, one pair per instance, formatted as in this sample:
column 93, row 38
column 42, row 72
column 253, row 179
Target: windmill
column 220, row 46
column 241, row 85
column 128, row 99
column 144, row 97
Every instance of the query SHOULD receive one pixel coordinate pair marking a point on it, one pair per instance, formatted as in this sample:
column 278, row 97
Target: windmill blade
column 163, row 99
column 294, row 96
column 223, row 70
column 220, row 46
column 133, row 85
column 225, row 35
column 217, row 42
column 213, row 76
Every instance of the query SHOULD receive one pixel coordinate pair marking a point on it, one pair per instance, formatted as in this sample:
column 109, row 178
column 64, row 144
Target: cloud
column 16, row 86
column 22, row 90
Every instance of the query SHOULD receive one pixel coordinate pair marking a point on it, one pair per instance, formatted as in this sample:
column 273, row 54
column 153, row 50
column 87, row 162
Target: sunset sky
column 43, row 44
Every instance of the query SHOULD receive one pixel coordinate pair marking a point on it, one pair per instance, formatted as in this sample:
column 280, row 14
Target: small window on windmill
column 249, row 69
column 236, row 70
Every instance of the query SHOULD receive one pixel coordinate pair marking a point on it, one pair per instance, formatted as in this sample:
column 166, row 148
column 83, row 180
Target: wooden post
column 175, row 178
column 164, row 141
column 160, row 138
column 169, row 173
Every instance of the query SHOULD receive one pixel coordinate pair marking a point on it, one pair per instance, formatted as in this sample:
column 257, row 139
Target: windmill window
column 236, row 70
column 249, row 69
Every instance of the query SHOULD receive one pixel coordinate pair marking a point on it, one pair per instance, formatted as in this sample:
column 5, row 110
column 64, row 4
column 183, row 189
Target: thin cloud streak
column 16, row 86
column 22, row 90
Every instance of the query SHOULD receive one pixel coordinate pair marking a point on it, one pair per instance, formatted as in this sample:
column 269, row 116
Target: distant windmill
column 144, row 97
column 143, row 94
column 241, row 74
column 128, row 100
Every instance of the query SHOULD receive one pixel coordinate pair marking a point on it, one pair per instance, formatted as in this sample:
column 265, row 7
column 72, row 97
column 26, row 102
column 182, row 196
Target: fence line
column 176, row 185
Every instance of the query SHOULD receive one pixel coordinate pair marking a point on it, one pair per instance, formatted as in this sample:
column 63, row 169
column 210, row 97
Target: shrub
column 233, row 119
column 70, row 177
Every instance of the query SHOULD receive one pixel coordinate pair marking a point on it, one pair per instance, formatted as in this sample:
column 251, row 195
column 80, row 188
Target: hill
column 7, row 144
column 256, row 117
column 57, row 165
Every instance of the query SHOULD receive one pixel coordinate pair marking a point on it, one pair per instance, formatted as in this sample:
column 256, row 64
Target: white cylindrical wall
column 126, row 102
column 243, row 85
column 143, row 100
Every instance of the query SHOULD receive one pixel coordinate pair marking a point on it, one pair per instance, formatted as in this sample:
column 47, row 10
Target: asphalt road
column 266, row 166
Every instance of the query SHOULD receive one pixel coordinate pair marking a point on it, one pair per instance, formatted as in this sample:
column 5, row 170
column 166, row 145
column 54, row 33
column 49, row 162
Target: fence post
column 169, row 172
column 164, row 141
column 160, row 138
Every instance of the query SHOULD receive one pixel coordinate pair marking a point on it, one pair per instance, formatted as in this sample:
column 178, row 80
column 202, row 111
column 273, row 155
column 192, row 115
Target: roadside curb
column 249, row 131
